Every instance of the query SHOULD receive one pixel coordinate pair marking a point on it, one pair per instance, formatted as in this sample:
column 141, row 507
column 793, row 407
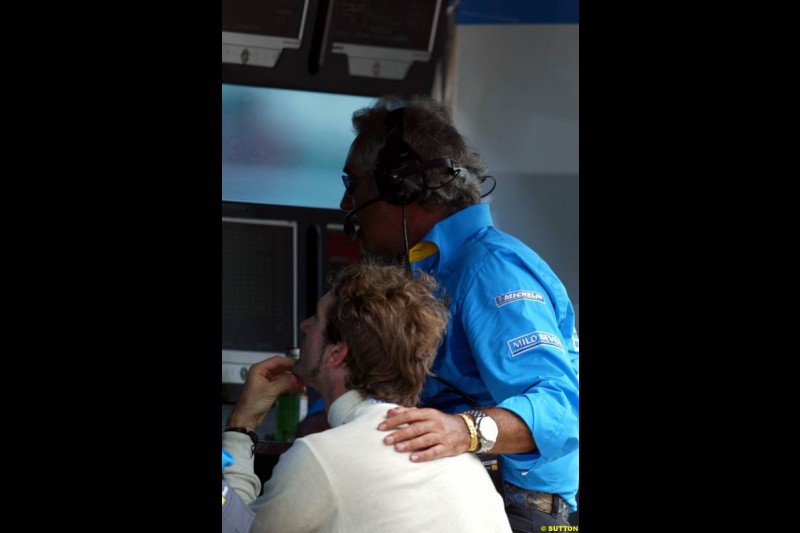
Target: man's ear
column 338, row 354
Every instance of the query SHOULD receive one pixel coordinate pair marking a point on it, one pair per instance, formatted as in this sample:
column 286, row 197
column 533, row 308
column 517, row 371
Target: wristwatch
column 486, row 428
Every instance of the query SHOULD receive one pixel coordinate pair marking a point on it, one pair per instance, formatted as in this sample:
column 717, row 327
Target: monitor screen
column 259, row 289
column 255, row 32
column 275, row 264
column 285, row 147
column 381, row 38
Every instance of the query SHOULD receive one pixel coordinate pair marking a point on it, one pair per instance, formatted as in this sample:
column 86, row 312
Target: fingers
column 281, row 383
column 272, row 367
column 423, row 442
column 428, row 446
column 398, row 416
column 429, row 434
column 293, row 384
column 272, row 377
column 434, row 452
column 411, row 436
column 399, row 409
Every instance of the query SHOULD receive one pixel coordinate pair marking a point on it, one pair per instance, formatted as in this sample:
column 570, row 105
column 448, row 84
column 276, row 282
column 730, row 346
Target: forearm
column 550, row 413
column 241, row 475
column 513, row 434
column 430, row 433
column 245, row 416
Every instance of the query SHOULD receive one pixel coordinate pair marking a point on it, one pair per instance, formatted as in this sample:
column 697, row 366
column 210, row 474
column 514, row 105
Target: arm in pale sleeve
column 522, row 354
column 298, row 497
column 241, row 474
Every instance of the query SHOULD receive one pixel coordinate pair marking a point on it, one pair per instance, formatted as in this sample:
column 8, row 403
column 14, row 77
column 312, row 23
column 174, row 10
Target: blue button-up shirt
column 511, row 343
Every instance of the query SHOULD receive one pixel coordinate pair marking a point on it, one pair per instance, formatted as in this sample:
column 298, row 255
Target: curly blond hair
column 392, row 324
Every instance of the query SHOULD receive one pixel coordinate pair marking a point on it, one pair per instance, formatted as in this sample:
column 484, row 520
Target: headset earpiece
column 400, row 186
column 399, row 174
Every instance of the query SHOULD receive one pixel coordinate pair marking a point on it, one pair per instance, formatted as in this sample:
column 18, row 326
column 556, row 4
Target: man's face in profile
column 312, row 345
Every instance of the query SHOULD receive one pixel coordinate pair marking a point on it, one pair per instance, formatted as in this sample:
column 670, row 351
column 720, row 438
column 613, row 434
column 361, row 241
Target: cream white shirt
column 346, row 479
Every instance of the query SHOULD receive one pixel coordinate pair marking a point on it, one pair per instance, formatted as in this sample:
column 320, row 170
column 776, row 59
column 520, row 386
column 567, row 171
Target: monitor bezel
column 266, row 49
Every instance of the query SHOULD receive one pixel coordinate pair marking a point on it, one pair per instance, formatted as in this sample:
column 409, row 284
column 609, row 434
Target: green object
column 288, row 416
column 288, row 409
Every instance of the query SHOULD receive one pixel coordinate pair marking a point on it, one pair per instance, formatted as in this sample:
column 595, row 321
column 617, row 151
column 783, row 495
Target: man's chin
column 299, row 377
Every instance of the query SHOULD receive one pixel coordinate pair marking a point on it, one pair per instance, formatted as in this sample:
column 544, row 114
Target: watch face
column 488, row 429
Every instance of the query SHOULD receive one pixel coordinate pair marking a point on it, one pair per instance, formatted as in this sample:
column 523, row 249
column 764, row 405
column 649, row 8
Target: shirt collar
column 448, row 234
column 345, row 408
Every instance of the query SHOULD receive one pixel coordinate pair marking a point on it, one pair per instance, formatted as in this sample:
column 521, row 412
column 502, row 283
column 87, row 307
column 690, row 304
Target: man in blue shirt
column 506, row 377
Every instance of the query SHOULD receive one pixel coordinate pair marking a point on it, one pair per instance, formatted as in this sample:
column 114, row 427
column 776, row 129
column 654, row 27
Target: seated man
column 368, row 348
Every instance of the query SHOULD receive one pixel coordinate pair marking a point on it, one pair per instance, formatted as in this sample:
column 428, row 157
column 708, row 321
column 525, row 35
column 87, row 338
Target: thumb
column 293, row 384
column 285, row 382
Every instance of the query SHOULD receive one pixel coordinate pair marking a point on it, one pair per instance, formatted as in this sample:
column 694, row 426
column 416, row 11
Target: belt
column 552, row 504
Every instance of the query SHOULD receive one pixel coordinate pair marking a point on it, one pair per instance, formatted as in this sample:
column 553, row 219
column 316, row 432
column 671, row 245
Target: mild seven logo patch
column 530, row 341
column 509, row 297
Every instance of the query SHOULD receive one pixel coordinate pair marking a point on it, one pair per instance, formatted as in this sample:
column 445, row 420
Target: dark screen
column 277, row 18
column 387, row 23
column 257, row 286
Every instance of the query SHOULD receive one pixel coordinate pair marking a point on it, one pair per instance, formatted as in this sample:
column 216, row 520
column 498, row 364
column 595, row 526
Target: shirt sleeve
column 510, row 322
column 298, row 497
column 241, row 474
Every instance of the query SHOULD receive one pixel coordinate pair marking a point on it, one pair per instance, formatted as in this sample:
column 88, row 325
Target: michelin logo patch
column 509, row 297
column 530, row 341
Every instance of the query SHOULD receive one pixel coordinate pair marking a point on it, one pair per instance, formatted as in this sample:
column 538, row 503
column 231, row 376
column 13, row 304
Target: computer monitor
column 382, row 38
column 275, row 263
column 259, row 291
column 255, row 32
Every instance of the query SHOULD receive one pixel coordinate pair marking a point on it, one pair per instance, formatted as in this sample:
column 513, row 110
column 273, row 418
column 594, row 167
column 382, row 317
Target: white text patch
column 513, row 296
column 530, row 341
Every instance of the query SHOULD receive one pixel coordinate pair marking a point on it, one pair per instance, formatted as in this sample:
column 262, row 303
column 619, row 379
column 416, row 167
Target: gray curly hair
column 429, row 130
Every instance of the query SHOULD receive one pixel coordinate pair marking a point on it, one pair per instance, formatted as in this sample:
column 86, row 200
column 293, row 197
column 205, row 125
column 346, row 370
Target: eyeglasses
column 348, row 185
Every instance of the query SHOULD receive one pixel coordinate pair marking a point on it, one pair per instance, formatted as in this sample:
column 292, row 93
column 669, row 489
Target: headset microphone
column 349, row 225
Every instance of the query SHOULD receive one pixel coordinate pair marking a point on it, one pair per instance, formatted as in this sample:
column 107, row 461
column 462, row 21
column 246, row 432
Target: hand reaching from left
column 265, row 381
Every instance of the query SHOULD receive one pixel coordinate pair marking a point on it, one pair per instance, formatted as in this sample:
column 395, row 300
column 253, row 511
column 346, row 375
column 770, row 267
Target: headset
column 400, row 175
column 400, row 172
